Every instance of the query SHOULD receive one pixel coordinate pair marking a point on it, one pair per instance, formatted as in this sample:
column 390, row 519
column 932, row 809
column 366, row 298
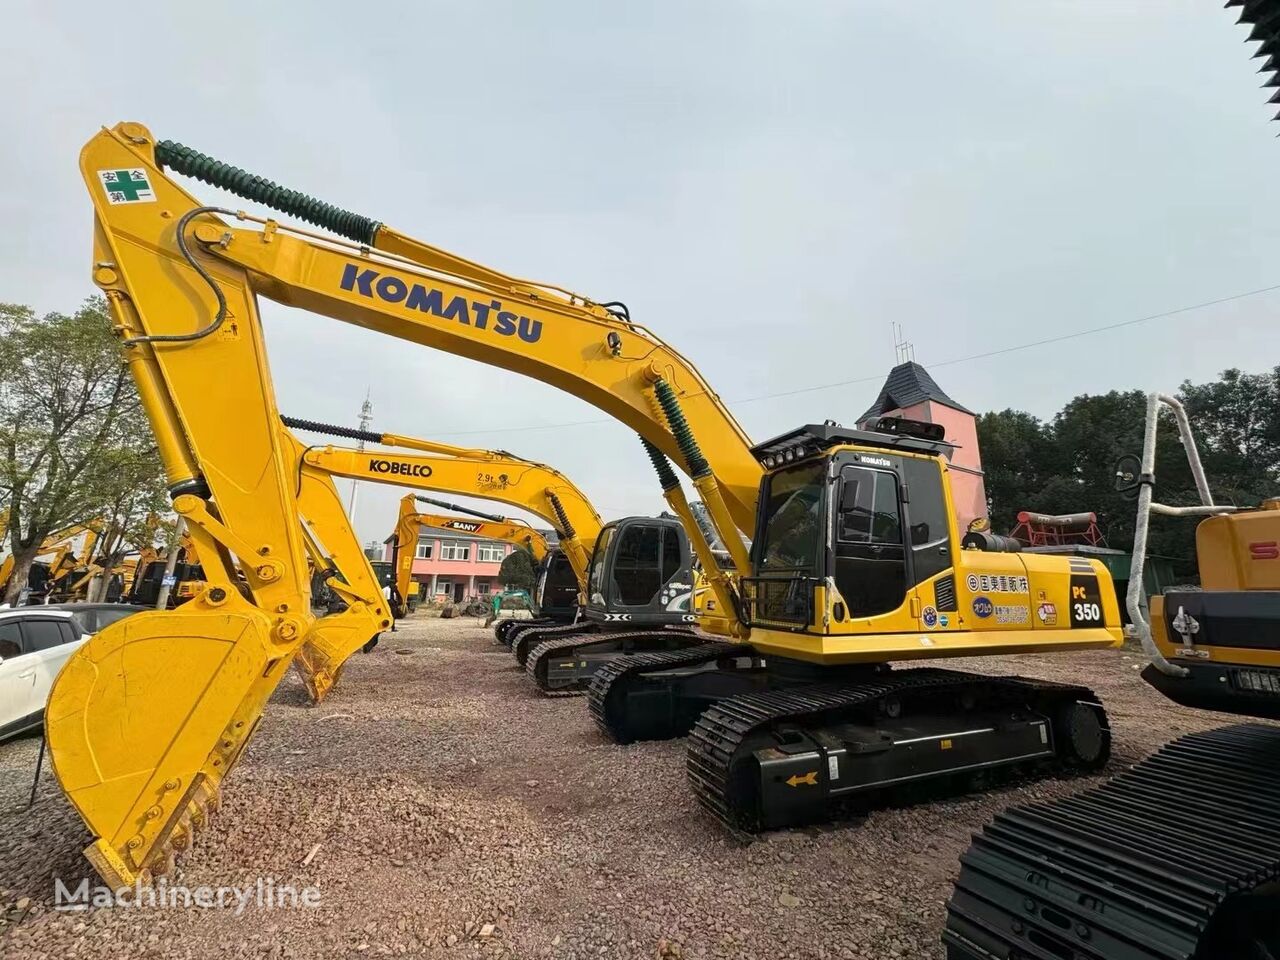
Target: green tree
column 1237, row 423
column 517, row 571
column 1014, row 457
column 1067, row 465
column 74, row 443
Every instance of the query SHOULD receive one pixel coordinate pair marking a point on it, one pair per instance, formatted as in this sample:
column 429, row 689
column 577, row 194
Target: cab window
column 869, row 554
column 637, row 576
column 671, row 554
column 791, row 534
column 930, row 522
column 596, row 579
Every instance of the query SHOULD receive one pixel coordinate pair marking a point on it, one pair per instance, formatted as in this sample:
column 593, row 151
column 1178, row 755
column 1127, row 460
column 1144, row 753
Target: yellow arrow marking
column 811, row 778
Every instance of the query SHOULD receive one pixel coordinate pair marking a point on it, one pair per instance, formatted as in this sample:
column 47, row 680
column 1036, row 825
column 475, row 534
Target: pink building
column 910, row 392
column 456, row 565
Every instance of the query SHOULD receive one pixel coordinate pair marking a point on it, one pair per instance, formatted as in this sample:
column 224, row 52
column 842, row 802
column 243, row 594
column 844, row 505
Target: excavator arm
column 383, row 280
column 334, row 549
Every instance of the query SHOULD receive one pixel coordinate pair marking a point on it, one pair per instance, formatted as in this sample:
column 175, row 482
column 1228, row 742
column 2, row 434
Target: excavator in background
column 67, row 546
column 494, row 475
column 558, row 607
column 855, row 558
column 150, row 570
column 639, row 599
column 1178, row 856
column 642, row 594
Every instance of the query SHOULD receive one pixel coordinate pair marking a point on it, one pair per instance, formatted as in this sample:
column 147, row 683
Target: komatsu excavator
column 1177, row 857
column 855, row 558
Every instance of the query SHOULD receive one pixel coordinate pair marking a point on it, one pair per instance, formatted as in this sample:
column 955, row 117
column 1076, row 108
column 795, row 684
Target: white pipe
column 1136, row 596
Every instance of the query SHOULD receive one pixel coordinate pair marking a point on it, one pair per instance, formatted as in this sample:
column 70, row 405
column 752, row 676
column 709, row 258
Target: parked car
column 34, row 644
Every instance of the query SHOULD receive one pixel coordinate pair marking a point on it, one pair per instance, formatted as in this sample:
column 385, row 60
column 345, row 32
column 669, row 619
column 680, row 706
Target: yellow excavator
column 62, row 544
column 488, row 474
column 644, row 584
column 855, row 558
column 488, row 526
column 425, row 465
column 1176, row 857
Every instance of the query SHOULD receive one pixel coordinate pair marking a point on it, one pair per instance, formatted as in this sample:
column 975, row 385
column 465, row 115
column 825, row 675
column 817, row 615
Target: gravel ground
column 458, row 814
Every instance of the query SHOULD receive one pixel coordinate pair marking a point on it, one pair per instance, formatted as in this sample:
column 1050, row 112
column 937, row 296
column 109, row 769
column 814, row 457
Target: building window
column 455, row 550
column 491, row 553
column 482, row 586
column 424, row 549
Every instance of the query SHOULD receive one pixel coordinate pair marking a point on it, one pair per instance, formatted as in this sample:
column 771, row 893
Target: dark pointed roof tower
column 908, row 384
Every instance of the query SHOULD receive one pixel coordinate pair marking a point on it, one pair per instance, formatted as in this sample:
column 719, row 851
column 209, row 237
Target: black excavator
column 639, row 600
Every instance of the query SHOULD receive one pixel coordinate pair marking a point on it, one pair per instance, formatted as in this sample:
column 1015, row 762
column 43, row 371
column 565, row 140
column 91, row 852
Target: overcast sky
column 767, row 185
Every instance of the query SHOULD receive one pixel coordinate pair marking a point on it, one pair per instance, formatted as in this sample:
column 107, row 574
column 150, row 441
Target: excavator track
column 1177, row 858
column 523, row 643
column 503, row 629
column 611, row 678
column 574, row 656
column 808, row 753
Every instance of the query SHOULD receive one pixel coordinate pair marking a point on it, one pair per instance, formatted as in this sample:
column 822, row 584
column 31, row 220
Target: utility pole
column 366, row 418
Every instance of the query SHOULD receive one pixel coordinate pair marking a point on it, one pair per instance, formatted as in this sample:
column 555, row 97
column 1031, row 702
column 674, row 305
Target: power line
column 941, row 363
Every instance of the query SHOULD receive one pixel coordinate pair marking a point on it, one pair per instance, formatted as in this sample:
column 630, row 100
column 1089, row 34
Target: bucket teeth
column 163, row 865
column 181, row 839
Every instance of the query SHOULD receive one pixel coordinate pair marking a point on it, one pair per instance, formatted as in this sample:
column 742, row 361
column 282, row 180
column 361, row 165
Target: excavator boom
column 488, row 474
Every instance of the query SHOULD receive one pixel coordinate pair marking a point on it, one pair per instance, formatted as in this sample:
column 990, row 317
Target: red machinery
column 1044, row 530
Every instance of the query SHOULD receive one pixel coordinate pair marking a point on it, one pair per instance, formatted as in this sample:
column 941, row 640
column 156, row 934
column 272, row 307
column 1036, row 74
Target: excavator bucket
column 334, row 548
column 131, row 717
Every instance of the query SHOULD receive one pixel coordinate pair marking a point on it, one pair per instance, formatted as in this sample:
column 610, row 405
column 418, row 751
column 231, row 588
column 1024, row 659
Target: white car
column 34, row 644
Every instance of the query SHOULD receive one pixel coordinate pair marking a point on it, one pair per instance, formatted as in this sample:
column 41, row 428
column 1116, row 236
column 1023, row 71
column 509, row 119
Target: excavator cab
column 640, row 573
column 556, row 592
column 856, row 542
column 639, row 599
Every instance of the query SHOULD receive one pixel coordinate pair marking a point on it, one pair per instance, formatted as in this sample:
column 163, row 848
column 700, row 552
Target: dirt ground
column 445, row 795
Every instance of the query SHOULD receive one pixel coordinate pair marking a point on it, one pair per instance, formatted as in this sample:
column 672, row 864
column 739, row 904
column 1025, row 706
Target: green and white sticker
column 127, row 186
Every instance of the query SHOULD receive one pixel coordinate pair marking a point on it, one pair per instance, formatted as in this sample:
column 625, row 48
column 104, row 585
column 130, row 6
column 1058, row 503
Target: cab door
column 869, row 551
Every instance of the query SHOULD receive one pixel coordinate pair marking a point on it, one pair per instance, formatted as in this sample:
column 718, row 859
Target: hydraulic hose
column 666, row 476
column 192, row 163
column 198, row 267
column 680, row 429
column 315, row 426
column 562, row 518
